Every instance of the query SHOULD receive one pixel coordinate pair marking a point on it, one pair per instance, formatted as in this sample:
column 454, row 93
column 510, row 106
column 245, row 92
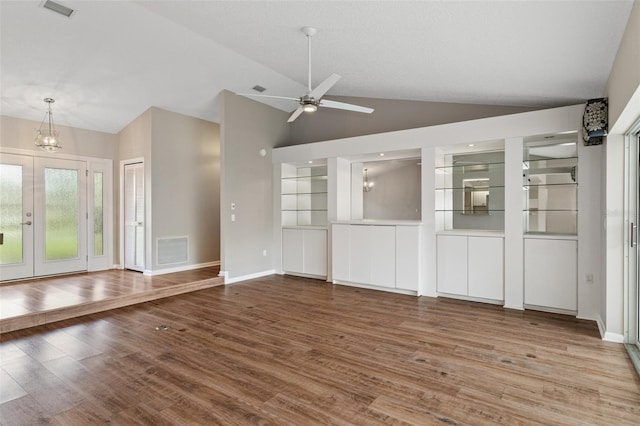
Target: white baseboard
column 604, row 334
column 181, row 268
column 116, row 266
column 613, row 337
column 228, row 280
column 514, row 307
column 601, row 328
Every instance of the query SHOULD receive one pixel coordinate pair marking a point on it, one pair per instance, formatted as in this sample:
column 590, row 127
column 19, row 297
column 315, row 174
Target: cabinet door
column 340, row 252
column 407, row 257
column 551, row 273
column 315, row 252
column 452, row 264
column 360, row 247
column 383, row 256
column 292, row 250
column 486, row 267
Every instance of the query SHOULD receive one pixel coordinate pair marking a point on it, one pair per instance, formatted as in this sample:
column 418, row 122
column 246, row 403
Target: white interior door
column 16, row 216
column 134, row 239
column 43, row 216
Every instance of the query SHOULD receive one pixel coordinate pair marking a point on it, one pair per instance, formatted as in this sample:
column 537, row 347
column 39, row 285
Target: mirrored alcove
column 550, row 184
column 387, row 187
column 470, row 187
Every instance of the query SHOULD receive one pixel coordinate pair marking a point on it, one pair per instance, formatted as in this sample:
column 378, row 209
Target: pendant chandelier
column 47, row 139
column 366, row 185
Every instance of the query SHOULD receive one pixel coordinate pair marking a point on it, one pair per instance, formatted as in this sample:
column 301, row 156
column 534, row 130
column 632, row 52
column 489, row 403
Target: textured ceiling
column 114, row 59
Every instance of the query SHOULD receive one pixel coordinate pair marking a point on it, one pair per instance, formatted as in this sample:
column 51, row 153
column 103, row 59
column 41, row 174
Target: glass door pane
column 60, row 216
column 16, row 221
column 98, row 214
column 134, row 229
column 11, row 214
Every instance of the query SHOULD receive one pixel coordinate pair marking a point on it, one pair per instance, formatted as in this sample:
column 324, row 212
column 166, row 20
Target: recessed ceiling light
column 310, row 162
column 472, row 144
column 382, row 154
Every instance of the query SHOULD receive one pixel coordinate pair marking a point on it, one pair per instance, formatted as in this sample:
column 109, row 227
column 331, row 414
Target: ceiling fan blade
column 269, row 96
column 324, row 87
column 341, row 105
column 295, row 114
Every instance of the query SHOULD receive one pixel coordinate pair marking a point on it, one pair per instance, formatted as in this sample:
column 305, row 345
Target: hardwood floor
column 285, row 350
column 45, row 300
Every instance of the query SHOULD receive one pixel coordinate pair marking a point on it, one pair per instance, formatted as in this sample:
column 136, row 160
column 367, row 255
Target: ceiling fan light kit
column 311, row 100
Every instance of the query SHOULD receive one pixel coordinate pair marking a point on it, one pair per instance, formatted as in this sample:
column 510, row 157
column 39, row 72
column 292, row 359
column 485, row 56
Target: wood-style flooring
column 285, row 350
column 45, row 300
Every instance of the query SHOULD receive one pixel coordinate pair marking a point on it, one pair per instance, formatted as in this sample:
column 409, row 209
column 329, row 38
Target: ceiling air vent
column 58, row 8
column 258, row 88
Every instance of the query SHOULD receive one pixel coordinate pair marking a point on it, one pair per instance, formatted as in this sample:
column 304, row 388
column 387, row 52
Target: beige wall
column 624, row 79
column 185, row 159
column 246, row 181
column 181, row 157
column 389, row 115
column 18, row 133
column 134, row 141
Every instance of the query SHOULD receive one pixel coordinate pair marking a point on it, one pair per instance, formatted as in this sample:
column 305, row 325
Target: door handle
column 633, row 237
column 26, row 223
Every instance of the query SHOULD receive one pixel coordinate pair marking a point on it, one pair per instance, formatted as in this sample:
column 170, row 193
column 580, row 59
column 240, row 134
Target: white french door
column 43, row 216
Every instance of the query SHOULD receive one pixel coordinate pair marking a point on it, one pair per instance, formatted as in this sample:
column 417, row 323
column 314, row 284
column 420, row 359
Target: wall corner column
column 513, row 225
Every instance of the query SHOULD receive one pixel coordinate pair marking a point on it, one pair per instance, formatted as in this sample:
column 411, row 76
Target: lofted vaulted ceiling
column 112, row 60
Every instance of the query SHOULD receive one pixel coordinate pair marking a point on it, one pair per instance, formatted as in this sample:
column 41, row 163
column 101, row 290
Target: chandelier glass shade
column 366, row 185
column 48, row 139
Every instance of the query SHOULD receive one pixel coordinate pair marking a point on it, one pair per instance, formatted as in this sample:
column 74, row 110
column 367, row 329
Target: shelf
column 469, row 189
column 472, row 164
column 304, row 193
column 574, row 184
column 315, row 177
column 304, row 196
column 304, row 210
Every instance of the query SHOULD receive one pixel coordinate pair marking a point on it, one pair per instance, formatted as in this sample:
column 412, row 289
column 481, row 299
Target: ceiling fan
column 312, row 99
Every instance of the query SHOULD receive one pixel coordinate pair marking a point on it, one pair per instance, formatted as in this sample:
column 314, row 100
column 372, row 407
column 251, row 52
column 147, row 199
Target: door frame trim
column 95, row 263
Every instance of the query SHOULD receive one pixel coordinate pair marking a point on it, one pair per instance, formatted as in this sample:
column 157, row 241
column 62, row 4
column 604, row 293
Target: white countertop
column 378, row 222
column 473, row 233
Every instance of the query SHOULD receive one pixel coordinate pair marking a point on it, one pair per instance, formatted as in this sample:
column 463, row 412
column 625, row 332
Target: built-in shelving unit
column 470, row 192
column 304, row 195
column 550, row 184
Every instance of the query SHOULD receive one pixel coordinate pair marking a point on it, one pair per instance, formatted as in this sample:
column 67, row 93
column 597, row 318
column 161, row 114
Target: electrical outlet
column 264, row 252
column 233, row 218
column 589, row 278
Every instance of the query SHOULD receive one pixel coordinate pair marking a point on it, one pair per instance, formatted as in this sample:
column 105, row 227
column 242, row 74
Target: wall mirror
column 387, row 189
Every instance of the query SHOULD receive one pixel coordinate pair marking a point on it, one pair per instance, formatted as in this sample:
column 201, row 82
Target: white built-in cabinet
column 379, row 255
column 304, row 252
column 550, row 273
column 471, row 266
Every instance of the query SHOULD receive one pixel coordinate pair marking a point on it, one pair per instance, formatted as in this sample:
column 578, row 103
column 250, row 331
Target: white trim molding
column 181, row 268
column 228, row 280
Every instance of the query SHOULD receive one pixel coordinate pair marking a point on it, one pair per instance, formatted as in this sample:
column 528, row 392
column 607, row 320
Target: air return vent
column 172, row 250
column 58, row 8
